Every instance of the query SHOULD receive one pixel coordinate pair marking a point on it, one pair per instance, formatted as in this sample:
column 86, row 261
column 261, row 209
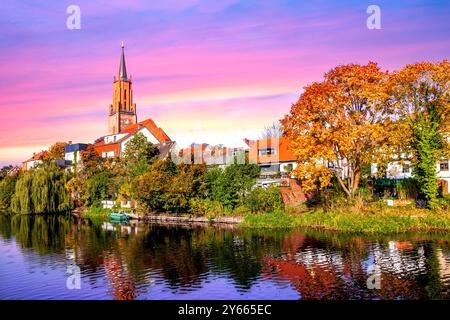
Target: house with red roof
column 35, row 160
column 113, row 145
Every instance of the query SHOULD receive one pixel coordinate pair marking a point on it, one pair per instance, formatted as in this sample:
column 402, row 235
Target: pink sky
column 205, row 71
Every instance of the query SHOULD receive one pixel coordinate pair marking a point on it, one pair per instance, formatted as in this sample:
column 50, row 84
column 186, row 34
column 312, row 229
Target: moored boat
column 118, row 216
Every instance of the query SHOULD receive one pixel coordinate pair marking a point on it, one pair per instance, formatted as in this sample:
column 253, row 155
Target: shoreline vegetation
column 390, row 221
column 345, row 132
column 374, row 220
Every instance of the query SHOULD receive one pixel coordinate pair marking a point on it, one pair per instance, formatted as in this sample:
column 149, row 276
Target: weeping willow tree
column 41, row 190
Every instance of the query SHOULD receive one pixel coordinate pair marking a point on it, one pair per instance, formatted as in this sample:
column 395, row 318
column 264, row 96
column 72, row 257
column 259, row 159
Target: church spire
column 123, row 68
column 122, row 112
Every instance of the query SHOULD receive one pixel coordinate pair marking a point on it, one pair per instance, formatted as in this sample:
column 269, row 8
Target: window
column 443, row 165
column 266, row 152
column 270, row 168
column 406, row 168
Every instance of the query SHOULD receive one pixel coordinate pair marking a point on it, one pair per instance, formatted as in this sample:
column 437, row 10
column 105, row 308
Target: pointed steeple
column 123, row 68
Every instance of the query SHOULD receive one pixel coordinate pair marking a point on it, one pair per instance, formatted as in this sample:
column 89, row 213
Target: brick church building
column 123, row 122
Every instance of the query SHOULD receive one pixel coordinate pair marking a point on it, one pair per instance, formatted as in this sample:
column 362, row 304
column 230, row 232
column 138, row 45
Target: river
column 60, row 257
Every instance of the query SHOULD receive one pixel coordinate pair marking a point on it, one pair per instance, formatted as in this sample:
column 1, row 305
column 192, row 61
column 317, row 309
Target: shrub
column 205, row 207
column 407, row 189
column 396, row 188
column 241, row 211
column 264, row 200
column 275, row 219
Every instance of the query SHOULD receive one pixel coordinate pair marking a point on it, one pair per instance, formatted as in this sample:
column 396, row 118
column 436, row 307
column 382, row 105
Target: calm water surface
column 172, row 262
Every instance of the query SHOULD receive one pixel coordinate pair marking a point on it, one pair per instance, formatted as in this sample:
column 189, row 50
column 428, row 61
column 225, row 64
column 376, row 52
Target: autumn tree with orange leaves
column 420, row 94
column 338, row 125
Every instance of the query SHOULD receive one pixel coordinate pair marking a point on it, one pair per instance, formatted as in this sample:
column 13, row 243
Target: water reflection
column 138, row 261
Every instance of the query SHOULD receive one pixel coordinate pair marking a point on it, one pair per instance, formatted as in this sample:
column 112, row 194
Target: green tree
column 229, row 185
column 427, row 146
column 139, row 154
column 41, row 190
column 150, row 189
column 7, row 189
column 97, row 188
column 190, row 182
column 91, row 159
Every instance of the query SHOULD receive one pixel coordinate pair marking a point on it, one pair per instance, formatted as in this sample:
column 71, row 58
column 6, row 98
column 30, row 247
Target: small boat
column 118, row 216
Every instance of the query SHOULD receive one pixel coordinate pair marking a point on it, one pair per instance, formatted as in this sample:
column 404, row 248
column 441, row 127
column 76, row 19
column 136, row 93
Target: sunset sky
column 205, row 71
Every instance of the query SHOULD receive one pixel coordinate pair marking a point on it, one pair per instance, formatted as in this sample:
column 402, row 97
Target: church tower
column 122, row 112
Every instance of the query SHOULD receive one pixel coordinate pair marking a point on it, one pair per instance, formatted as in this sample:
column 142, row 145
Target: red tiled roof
column 100, row 145
column 38, row 156
column 159, row 133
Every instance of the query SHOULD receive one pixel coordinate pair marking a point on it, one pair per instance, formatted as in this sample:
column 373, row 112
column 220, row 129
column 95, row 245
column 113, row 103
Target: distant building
column 13, row 171
column 123, row 124
column 218, row 155
column 34, row 161
column 273, row 156
column 72, row 153
column 404, row 170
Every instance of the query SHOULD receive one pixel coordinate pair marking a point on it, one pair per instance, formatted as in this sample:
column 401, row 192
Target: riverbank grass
column 387, row 220
column 97, row 213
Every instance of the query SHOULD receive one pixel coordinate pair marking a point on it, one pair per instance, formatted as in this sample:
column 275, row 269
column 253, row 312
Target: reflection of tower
column 122, row 112
column 119, row 277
